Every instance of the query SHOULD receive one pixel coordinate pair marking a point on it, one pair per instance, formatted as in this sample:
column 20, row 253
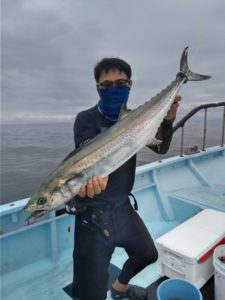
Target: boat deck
column 36, row 260
column 49, row 284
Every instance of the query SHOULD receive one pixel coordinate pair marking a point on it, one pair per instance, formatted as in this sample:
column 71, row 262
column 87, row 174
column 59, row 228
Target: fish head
column 43, row 201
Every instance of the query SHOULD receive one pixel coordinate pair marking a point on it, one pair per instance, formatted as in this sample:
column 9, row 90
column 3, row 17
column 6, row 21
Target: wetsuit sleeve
column 165, row 133
column 84, row 128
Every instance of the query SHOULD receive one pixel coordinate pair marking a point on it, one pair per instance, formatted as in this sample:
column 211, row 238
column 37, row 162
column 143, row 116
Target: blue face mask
column 111, row 101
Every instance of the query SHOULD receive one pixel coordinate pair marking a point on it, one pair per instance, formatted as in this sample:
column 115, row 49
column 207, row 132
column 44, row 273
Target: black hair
column 107, row 64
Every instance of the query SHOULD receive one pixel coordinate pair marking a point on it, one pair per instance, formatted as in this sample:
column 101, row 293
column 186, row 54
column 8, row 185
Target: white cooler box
column 186, row 251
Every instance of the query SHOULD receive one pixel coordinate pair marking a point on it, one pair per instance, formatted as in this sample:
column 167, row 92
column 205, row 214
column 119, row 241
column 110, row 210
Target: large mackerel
column 108, row 151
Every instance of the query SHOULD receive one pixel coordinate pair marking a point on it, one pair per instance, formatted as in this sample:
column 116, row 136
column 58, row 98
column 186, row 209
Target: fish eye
column 41, row 201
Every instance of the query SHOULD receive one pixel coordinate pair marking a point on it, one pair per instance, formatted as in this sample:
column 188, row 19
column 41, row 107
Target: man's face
column 113, row 77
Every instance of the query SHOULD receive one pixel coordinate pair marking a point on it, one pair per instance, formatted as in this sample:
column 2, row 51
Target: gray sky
column 49, row 49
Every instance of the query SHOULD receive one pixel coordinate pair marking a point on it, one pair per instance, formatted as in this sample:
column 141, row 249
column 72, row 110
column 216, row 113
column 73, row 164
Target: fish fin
column 61, row 182
column 73, row 177
column 185, row 72
column 154, row 142
column 124, row 111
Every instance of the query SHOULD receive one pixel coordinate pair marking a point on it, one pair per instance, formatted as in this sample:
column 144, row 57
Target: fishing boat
column 36, row 259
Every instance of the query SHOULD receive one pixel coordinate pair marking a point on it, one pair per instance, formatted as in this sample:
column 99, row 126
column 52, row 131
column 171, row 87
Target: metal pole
column 182, row 143
column 205, row 130
column 223, row 129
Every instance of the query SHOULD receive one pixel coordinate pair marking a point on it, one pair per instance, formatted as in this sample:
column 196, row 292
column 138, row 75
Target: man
column 110, row 220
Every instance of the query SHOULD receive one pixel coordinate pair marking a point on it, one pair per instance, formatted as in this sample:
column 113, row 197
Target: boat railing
column 205, row 107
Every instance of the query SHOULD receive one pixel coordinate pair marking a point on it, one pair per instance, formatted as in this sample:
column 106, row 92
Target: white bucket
column 219, row 272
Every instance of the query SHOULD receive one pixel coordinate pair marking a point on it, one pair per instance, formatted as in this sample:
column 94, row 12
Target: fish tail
column 186, row 73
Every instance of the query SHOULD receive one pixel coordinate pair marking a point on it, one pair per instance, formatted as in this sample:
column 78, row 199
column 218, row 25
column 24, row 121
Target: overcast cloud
column 49, row 49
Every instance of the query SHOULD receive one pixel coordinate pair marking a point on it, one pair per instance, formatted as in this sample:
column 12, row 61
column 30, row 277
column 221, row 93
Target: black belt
column 82, row 208
column 121, row 203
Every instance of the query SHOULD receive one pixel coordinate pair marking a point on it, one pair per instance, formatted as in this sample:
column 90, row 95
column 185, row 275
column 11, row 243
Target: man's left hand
column 171, row 114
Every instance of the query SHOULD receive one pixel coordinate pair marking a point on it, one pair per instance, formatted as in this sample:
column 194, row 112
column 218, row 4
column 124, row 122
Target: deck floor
column 50, row 285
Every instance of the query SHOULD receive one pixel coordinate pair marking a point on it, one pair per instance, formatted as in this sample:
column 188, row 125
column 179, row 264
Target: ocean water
column 30, row 152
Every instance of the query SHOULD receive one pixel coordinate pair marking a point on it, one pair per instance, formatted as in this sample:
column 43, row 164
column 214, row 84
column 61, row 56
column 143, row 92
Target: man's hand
column 94, row 186
column 173, row 109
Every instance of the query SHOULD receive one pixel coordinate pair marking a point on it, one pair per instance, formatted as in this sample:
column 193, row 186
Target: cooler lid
column 196, row 236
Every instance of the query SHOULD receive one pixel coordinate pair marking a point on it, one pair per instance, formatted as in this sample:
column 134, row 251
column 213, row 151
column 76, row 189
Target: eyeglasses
column 118, row 83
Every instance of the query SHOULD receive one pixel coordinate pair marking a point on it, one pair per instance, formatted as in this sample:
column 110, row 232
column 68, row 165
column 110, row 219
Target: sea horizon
column 30, row 152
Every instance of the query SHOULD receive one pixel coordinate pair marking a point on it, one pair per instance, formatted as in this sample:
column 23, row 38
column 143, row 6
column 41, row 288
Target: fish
column 109, row 150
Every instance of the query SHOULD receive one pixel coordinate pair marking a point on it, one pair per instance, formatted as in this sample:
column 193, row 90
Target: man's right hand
column 94, row 186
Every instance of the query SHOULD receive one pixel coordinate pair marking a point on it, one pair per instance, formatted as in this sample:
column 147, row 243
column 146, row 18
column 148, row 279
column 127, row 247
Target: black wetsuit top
column 90, row 123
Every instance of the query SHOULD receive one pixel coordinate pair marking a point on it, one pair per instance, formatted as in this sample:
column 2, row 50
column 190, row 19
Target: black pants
column 92, row 252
